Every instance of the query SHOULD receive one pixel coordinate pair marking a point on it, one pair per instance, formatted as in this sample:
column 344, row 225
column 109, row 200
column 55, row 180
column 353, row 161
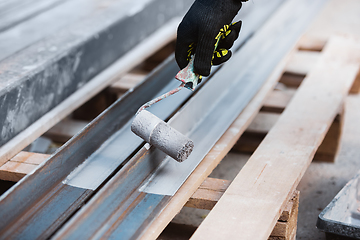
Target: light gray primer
column 159, row 134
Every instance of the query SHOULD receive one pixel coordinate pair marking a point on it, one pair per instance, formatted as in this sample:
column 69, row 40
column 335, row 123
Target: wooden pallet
column 255, row 217
column 211, row 190
column 253, row 202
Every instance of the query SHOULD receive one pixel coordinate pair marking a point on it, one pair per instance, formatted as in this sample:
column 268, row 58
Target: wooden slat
column 263, row 122
column 255, row 199
column 302, row 62
column 211, row 190
column 207, row 195
column 356, row 86
column 277, row 100
column 340, row 17
column 21, row 165
column 287, row 222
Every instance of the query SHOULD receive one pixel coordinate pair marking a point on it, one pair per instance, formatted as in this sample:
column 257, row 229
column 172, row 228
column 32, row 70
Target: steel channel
column 47, row 205
column 131, row 200
column 67, row 59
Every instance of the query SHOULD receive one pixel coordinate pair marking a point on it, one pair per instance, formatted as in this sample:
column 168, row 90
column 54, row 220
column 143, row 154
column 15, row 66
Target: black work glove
column 198, row 31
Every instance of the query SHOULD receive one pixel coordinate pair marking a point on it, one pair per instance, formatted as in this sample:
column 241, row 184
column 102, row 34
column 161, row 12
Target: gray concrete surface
column 321, row 182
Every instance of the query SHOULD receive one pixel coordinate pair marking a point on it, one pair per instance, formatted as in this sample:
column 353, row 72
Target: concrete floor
column 321, row 182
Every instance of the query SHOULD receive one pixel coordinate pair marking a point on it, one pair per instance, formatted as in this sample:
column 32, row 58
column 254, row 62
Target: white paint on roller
column 161, row 135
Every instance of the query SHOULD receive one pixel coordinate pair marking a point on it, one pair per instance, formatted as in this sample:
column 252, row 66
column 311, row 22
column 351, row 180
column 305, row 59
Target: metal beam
column 39, row 77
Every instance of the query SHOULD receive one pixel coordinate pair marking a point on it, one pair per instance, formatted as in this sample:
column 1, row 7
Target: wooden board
column 264, row 121
column 302, row 62
column 21, row 165
column 255, row 199
column 338, row 17
column 212, row 189
column 277, row 100
column 207, row 195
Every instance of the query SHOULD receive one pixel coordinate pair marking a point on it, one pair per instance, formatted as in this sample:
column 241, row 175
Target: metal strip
column 44, row 187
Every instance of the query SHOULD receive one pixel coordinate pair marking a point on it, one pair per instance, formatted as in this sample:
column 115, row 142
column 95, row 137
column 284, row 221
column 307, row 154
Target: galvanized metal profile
column 31, row 86
column 133, row 198
column 61, row 14
column 120, row 67
column 40, row 203
column 15, row 11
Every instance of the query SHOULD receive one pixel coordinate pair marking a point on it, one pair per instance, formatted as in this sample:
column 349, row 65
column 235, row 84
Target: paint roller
column 157, row 132
column 160, row 134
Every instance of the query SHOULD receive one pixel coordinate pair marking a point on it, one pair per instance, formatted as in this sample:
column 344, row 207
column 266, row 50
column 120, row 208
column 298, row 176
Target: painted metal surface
column 25, row 207
column 31, row 86
column 16, row 11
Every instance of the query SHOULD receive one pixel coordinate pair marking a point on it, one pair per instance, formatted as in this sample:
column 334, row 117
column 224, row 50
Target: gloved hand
column 198, row 31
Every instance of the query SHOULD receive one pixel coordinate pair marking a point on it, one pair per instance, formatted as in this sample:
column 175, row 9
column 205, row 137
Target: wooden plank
column 277, row 100
column 302, row 62
column 217, row 153
column 284, row 229
column 212, row 189
column 21, row 165
column 263, row 122
column 355, row 89
column 340, row 17
column 254, row 201
column 329, row 148
column 207, row 195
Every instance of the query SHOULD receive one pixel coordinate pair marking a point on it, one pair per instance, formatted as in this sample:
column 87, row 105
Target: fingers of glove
column 232, row 35
column 204, row 53
column 221, row 56
column 184, row 39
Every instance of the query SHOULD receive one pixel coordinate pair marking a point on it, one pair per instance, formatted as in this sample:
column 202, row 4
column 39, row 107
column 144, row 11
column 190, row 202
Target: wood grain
column 255, row 199
column 21, row 165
